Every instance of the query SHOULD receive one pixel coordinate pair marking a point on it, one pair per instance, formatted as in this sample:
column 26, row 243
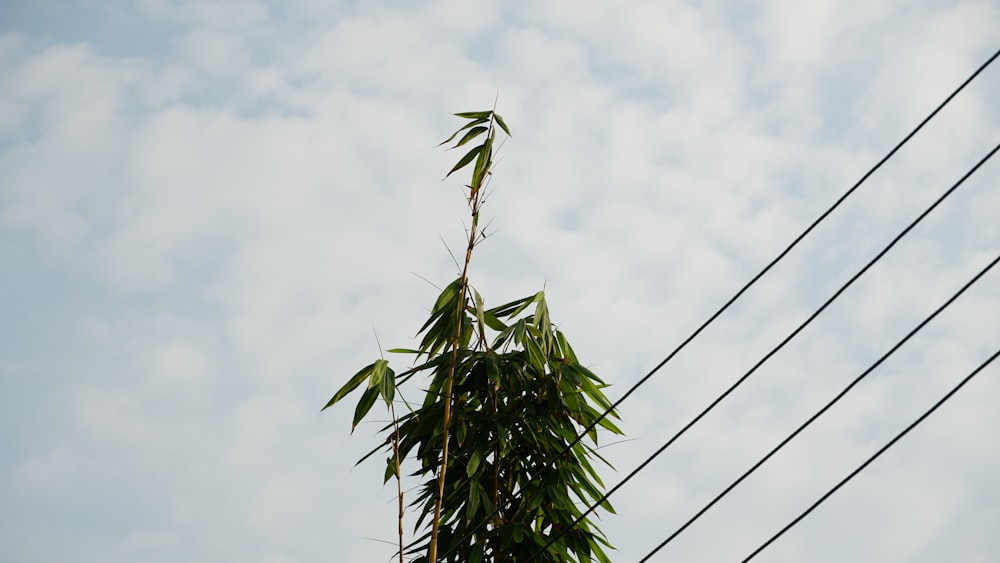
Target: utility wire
column 743, row 290
column 769, row 354
column 778, row 258
column 822, row 410
column 872, row 458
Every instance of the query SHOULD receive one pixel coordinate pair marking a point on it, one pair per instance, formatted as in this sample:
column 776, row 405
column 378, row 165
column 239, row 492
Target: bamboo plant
column 504, row 396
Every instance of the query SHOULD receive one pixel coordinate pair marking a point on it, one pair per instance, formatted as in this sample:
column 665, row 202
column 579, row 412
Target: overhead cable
column 769, row 354
column 821, row 411
column 873, row 457
column 780, row 256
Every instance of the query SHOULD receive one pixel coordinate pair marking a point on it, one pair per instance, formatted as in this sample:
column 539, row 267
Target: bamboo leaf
column 402, row 351
column 448, row 295
column 476, row 555
column 493, row 322
column 388, row 386
column 534, row 354
column 511, row 309
column 364, row 405
column 463, row 128
column 390, row 469
column 480, row 315
column 473, row 501
column 351, row 385
column 371, row 453
column 473, row 465
column 472, row 134
column 378, row 371
column 502, row 125
column 524, row 304
column 461, row 430
column 465, row 160
column 483, row 161
column 565, row 348
column 474, row 114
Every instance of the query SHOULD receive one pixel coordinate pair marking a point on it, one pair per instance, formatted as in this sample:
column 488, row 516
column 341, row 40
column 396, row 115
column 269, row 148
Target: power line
column 872, row 458
column 739, row 293
column 769, row 354
column 822, row 410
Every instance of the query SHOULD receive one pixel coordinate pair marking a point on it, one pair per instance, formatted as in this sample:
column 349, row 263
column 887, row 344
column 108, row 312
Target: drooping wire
column 821, row 411
column 742, row 290
column 767, row 356
column 873, row 457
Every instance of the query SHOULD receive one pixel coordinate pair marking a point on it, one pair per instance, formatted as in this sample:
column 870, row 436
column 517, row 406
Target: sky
column 209, row 207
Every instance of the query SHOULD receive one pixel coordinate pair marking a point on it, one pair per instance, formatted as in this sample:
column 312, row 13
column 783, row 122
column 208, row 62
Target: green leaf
column 519, row 329
column 388, row 386
column 502, row 125
column 378, row 371
column 351, row 385
column 463, row 128
column 534, row 353
column 465, row 160
column 511, row 309
column 364, row 405
column 524, row 304
column 565, row 348
column 493, row 322
column 480, row 315
column 572, row 401
column 390, row 469
column 371, row 453
column 543, row 323
column 483, row 162
column 402, row 351
column 472, row 134
column 461, row 430
column 448, row 296
column 476, row 555
column 474, row 114
column 473, row 501
column 473, row 465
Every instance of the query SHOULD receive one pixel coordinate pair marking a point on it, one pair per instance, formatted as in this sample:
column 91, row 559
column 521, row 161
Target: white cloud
column 225, row 223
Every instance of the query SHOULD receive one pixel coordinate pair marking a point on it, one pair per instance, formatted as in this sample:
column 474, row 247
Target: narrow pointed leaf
column 371, row 453
column 461, row 430
column 351, row 385
column 473, row 502
column 465, row 160
column 387, row 387
column 364, row 405
column 502, row 125
column 468, row 125
column 474, row 114
column 402, row 351
column 508, row 310
column 474, row 461
column 378, row 371
column 390, row 469
column 483, row 161
column 472, row 134
column 492, row 321
column 480, row 315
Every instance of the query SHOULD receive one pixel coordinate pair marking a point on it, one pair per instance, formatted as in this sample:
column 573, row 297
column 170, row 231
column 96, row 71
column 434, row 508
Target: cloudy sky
column 207, row 205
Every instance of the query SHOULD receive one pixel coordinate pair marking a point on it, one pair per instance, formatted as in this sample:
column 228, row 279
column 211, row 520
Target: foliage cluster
column 505, row 395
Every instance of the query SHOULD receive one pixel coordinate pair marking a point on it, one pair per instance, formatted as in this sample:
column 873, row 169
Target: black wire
column 776, row 260
column 822, row 410
column 743, row 290
column 769, row 354
column 872, row 458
